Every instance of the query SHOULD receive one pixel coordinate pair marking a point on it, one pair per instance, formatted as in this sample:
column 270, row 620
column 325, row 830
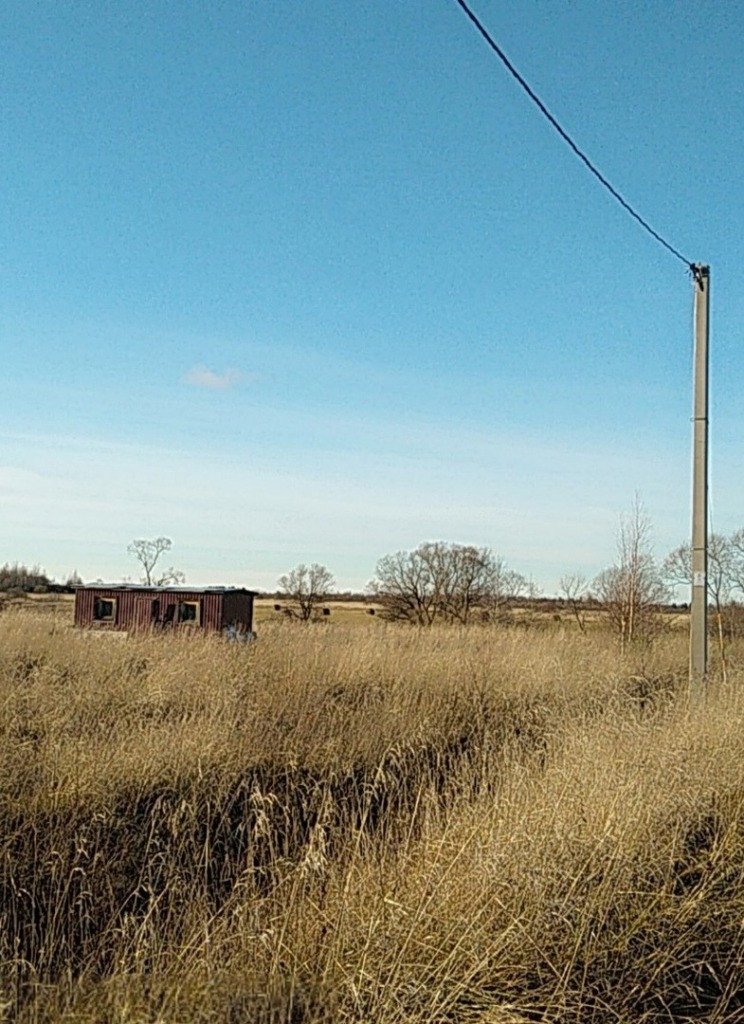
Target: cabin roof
column 164, row 590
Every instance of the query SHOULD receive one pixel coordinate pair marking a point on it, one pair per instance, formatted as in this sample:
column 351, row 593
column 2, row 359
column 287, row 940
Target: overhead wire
column 692, row 267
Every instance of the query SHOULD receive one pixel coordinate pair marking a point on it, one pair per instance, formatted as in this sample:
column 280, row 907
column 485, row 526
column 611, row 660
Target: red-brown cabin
column 133, row 607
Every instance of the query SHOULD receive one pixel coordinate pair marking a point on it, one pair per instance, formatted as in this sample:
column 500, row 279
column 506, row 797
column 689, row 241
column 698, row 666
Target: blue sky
column 315, row 281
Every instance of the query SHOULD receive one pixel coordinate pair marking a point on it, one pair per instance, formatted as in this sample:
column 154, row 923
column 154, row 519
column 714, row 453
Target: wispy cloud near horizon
column 548, row 507
column 202, row 377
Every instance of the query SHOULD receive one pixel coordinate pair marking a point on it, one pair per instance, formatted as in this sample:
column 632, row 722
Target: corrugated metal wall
column 238, row 611
column 210, row 603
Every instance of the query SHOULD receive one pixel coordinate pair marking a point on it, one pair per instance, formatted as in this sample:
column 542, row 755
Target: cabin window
column 188, row 611
column 104, row 609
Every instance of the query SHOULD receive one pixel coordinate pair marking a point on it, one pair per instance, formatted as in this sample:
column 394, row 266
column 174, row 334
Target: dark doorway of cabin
column 146, row 612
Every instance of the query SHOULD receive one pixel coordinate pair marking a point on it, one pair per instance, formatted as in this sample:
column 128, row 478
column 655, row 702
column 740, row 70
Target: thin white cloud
column 203, row 377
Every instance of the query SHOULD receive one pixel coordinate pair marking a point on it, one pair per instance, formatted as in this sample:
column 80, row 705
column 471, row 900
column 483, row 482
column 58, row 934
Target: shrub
column 18, row 577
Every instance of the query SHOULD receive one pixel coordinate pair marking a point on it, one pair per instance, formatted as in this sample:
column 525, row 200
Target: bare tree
column 306, row 586
column 725, row 566
column 573, row 590
column 506, row 585
column 736, row 566
column 722, row 568
column 632, row 590
column 724, row 575
column 405, row 585
column 147, row 553
column 445, row 582
column 464, row 578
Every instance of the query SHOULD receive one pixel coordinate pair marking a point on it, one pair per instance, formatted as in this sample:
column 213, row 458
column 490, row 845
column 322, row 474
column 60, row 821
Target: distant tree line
column 23, row 578
column 436, row 582
column 17, row 579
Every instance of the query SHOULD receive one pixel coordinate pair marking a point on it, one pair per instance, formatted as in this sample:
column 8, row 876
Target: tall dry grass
column 345, row 825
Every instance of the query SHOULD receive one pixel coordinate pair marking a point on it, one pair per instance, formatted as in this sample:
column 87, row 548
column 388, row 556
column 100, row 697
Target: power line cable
column 692, row 267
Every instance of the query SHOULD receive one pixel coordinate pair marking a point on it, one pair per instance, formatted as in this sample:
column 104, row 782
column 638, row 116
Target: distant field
column 347, row 612
column 361, row 613
column 366, row 825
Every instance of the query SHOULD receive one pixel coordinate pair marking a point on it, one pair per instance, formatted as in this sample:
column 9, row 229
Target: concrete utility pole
column 699, row 602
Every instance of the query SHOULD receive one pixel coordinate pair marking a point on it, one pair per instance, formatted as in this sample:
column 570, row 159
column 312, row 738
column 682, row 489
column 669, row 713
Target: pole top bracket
column 701, row 273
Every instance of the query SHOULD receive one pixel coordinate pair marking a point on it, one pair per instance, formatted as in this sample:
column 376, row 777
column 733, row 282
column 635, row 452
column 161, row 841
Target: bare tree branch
column 147, row 553
column 573, row 589
column 306, row 586
column 441, row 581
column 633, row 589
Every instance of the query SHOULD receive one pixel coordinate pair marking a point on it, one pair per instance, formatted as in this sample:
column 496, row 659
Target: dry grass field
column 389, row 825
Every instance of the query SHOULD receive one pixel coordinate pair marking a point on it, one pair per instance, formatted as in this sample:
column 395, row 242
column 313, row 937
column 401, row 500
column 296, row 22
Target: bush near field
column 22, row 579
column 392, row 825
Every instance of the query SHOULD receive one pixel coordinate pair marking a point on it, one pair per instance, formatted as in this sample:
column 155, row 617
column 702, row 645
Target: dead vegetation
column 450, row 825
